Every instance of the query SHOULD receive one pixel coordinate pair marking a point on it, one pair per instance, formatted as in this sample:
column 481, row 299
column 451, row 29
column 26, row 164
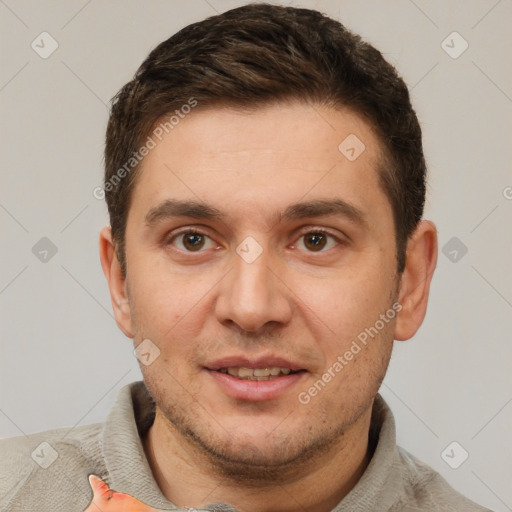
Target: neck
column 187, row 477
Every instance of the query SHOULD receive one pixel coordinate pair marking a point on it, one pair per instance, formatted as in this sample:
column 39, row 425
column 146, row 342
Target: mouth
column 243, row 373
column 265, row 378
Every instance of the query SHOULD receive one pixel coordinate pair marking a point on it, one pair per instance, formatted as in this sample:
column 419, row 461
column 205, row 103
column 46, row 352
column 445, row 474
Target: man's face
column 319, row 280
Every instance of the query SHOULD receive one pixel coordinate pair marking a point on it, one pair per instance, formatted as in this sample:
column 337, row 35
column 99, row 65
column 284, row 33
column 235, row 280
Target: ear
column 116, row 282
column 421, row 259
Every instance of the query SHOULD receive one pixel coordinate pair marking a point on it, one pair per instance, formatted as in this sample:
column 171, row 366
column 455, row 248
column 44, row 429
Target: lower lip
column 255, row 390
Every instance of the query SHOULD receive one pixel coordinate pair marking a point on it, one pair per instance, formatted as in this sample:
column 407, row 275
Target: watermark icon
column 356, row 346
column 454, row 455
column 351, row 147
column 454, row 45
column 146, row 352
column 454, row 249
column 249, row 249
column 168, row 124
column 44, row 45
column 45, row 455
column 44, row 249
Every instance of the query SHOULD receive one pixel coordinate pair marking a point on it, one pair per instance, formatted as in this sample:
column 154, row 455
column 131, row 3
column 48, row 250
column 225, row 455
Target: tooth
column 256, row 373
column 261, row 372
column 245, row 372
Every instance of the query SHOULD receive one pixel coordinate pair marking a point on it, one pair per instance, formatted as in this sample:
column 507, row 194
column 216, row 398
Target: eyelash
column 170, row 239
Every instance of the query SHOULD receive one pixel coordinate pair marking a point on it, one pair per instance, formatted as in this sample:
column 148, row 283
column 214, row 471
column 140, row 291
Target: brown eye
column 317, row 241
column 192, row 241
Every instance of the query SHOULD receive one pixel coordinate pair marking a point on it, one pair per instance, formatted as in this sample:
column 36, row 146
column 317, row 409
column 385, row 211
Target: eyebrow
column 322, row 208
column 199, row 210
column 177, row 208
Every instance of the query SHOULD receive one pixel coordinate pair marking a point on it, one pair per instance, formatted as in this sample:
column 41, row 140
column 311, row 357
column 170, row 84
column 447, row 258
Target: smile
column 256, row 373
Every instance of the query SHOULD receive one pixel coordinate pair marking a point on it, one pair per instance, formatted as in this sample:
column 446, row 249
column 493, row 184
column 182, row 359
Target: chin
column 257, row 444
column 256, row 459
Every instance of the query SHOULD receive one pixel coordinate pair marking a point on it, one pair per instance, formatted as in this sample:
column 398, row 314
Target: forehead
column 270, row 156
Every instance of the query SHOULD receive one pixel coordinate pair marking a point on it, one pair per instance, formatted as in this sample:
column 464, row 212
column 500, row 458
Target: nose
column 252, row 295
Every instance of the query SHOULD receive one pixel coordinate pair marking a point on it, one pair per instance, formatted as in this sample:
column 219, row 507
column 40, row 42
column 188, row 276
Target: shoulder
column 425, row 489
column 39, row 470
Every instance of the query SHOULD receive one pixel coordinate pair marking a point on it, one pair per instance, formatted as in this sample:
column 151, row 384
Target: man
column 265, row 182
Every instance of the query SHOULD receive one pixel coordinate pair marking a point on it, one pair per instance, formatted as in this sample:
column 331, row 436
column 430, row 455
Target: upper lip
column 252, row 362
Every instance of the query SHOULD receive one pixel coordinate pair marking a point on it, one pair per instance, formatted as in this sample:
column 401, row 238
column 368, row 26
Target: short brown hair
column 259, row 54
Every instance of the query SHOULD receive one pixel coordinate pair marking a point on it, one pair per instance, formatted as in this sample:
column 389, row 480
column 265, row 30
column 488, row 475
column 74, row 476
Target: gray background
column 63, row 358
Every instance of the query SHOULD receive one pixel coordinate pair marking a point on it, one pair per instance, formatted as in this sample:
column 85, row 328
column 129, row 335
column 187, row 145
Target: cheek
column 170, row 310
column 344, row 305
column 161, row 300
